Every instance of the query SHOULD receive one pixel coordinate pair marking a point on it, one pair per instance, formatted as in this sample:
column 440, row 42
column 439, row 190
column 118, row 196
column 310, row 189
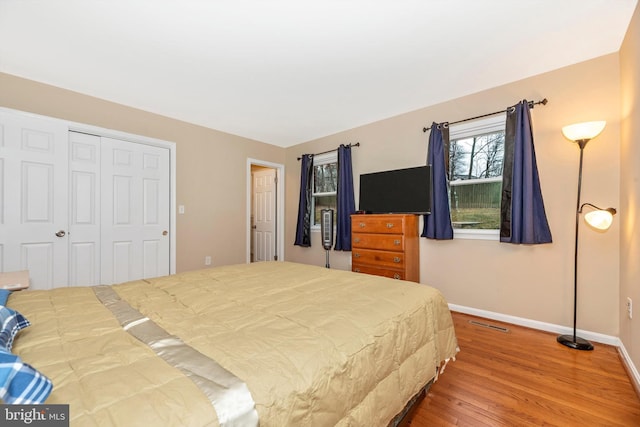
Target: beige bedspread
column 316, row 347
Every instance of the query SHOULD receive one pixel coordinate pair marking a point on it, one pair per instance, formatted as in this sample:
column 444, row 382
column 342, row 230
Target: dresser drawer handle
column 356, row 240
column 396, row 242
column 389, row 225
column 397, row 276
column 363, row 225
column 356, row 255
column 397, row 259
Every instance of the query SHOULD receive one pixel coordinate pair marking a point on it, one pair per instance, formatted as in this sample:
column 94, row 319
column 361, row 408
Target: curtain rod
column 357, row 144
column 531, row 105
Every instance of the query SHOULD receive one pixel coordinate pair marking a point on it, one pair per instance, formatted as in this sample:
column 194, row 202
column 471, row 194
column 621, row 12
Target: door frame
column 279, row 205
column 138, row 139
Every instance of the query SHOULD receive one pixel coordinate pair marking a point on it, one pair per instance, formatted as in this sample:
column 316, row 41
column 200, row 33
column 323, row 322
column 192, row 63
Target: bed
column 274, row 343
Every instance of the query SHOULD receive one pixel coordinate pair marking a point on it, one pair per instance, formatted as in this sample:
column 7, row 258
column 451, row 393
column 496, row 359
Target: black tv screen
column 396, row 191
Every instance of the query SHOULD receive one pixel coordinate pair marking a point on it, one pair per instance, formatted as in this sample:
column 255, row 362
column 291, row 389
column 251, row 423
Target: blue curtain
column 303, row 226
column 437, row 224
column 346, row 202
column 522, row 215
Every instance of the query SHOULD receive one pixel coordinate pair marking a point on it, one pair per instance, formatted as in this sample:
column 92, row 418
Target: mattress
column 313, row 346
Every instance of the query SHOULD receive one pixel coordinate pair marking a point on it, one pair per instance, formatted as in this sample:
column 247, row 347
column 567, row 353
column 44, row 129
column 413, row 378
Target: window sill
column 476, row 234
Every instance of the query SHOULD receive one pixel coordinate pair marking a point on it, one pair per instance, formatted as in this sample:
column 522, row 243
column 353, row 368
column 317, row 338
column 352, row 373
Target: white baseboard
column 560, row 330
column 631, row 368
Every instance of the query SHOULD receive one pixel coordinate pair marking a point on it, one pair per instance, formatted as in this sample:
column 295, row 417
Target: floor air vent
column 487, row 325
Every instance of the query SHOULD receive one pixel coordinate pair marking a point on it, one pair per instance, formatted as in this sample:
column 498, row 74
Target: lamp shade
column 583, row 131
column 600, row 219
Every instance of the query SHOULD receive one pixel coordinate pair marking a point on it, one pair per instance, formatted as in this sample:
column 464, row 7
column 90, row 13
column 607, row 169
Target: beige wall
column 630, row 188
column 533, row 282
column 211, row 166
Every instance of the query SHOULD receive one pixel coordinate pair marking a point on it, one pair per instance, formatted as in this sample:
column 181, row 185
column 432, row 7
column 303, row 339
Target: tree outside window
column 325, row 185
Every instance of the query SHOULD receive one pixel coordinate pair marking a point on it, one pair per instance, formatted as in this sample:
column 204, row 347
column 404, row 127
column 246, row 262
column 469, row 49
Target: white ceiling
column 288, row 71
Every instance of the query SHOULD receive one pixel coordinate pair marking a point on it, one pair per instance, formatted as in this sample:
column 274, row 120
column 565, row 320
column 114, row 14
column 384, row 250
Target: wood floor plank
column 523, row 377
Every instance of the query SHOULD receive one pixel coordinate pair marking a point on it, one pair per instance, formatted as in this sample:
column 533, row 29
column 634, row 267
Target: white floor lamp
column 581, row 133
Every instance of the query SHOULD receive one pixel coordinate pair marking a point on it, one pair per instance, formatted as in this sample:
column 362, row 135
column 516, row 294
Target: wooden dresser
column 386, row 245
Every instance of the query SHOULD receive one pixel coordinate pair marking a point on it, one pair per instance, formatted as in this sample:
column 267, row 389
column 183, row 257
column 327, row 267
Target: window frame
column 467, row 130
column 321, row 159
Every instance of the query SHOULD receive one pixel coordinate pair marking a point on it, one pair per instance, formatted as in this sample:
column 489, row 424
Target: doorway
column 265, row 211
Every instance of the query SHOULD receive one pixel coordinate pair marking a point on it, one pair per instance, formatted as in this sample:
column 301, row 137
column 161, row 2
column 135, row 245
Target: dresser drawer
column 377, row 224
column 380, row 258
column 385, row 272
column 385, row 242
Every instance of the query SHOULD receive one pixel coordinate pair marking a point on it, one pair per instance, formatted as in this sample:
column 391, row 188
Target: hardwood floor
column 523, row 377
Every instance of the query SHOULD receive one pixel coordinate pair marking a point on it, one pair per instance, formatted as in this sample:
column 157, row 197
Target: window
column 476, row 155
column 325, row 186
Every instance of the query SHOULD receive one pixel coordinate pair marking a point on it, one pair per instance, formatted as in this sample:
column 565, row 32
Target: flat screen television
column 396, row 191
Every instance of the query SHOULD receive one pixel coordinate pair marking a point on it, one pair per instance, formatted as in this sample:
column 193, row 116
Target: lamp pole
column 574, row 341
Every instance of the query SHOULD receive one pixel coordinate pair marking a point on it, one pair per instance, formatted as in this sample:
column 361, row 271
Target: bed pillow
column 11, row 322
column 20, row 383
column 4, row 295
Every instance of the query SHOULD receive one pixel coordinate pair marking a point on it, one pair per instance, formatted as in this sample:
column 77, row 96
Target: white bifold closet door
column 79, row 209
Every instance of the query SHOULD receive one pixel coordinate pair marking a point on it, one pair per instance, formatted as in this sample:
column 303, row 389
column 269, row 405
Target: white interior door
column 135, row 228
column 34, row 199
column 264, row 215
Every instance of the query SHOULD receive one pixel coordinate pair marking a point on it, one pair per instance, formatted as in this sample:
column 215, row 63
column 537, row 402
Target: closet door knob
column 61, row 233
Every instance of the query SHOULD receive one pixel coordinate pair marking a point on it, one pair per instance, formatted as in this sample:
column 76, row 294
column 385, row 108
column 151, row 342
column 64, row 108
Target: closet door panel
column 156, row 205
column 34, row 195
column 84, row 218
column 135, row 232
